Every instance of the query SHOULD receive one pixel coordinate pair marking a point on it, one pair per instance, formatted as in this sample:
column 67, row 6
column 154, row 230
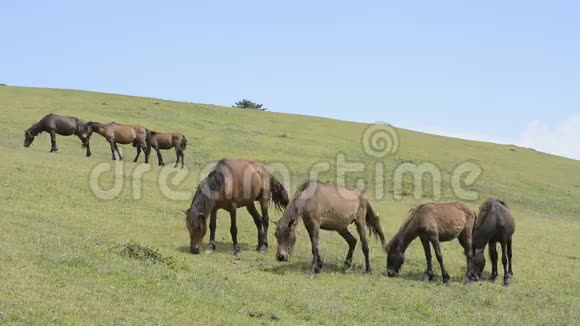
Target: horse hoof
column 211, row 248
column 428, row 277
column 507, row 282
column 237, row 251
column 446, row 283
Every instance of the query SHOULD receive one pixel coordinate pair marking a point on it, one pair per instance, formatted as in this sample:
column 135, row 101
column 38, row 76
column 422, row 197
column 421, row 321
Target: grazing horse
column 57, row 124
column 168, row 141
column 494, row 224
column 231, row 185
column 433, row 223
column 115, row 133
column 328, row 207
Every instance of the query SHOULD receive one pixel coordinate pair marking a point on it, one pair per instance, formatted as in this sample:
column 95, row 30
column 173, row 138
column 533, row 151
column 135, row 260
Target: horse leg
column 145, row 152
column 439, row 255
column 119, row 152
column 467, row 243
column 429, row 276
column 313, row 232
column 493, row 255
column 182, row 159
column 504, row 261
column 159, row 157
column 258, row 221
column 53, row 141
column 360, row 227
column 178, row 157
column 212, row 228
column 351, row 240
column 509, row 253
column 112, row 143
column 138, row 153
column 265, row 217
column 234, row 232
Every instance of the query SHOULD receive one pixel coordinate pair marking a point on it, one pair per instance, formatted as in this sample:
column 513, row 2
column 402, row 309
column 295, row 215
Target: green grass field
column 61, row 248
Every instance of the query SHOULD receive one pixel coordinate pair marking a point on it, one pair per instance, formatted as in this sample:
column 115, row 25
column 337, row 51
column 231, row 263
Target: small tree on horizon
column 247, row 104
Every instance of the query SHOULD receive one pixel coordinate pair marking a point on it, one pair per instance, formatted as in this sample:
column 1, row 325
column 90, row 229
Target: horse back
column 334, row 205
column 448, row 220
column 245, row 181
column 62, row 125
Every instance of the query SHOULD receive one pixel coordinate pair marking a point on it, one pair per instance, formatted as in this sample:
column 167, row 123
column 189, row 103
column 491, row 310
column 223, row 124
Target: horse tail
column 279, row 194
column 183, row 142
column 374, row 224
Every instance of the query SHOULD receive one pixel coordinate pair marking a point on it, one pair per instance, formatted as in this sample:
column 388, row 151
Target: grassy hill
column 64, row 253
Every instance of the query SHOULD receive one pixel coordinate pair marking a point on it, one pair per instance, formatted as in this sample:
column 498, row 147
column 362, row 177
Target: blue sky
column 503, row 71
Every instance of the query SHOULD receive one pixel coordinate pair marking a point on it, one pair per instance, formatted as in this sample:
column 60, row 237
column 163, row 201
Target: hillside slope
column 58, row 241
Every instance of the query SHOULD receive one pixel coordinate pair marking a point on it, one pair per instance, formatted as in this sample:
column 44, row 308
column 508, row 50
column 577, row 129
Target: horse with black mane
column 433, row 224
column 116, row 133
column 57, row 124
column 494, row 224
column 328, row 207
column 231, row 185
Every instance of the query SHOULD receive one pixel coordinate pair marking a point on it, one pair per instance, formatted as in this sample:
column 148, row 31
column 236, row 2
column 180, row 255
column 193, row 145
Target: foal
column 57, row 124
column 433, row 223
column 494, row 224
column 328, row 207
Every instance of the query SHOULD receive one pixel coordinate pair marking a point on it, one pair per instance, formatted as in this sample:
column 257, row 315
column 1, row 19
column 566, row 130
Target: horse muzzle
column 195, row 250
column 282, row 258
column 392, row 274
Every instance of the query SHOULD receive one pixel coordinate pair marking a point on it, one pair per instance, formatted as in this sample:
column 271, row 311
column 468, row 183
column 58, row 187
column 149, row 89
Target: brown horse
column 231, row 185
column 168, row 141
column 332, row 208
column 433, row 223
column 494, row 224
column 57, row 124
column 116, row 133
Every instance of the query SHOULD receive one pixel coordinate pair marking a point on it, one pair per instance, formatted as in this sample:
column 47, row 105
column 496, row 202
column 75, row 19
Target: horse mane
column 307, row 183
column 398, row 238
column 201, row 202
column 34, row 129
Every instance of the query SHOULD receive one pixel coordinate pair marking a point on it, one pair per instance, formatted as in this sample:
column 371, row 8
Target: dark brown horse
column 116, row 133
column 57, row 124
column 169, row 140
column 433, row 223
column 231, row 185
column 494, row 224
column 332, row 208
